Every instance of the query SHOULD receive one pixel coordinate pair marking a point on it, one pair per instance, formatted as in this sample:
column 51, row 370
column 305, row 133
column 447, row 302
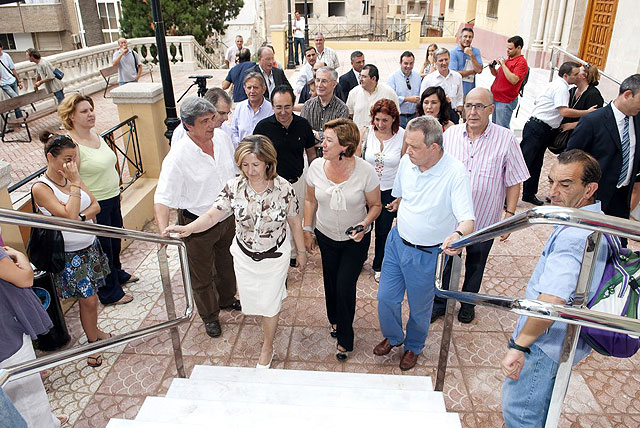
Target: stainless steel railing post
column 163, row 262
column 445, row 343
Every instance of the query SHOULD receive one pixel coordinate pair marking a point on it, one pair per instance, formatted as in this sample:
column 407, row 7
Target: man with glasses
column 363, row 97
column 492, row 156
column 406, row 83
column 325, row 53
column 291, row 136
column 326, row 105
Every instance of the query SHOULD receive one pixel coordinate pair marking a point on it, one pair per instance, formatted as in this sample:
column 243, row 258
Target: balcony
column 33, row 17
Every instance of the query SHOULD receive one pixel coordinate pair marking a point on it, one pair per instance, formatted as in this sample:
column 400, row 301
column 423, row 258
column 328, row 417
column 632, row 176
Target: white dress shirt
column 306, row 75
column 619, row 116
column 271, row 83
column 360, row 102
column 546, row 108
column 191, row 179
column 452, row 85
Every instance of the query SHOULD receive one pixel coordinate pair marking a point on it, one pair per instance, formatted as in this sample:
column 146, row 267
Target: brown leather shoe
column 408, row 361
column 384, row 347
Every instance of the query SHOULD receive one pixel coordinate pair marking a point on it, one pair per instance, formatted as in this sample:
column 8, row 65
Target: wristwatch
column 459, row 233
column 513, row 345
column 308, row 229
column 82, row 217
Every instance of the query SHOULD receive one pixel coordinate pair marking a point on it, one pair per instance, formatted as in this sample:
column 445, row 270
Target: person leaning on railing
column 97, row 166
column 61, row 193
column 263, row 203
column 23, row 318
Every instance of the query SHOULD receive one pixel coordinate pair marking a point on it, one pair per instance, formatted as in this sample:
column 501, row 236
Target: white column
column 538, row 42
column 562, row 9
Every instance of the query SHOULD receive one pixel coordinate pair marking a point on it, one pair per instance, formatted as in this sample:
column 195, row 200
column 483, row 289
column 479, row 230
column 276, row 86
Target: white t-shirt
column 386, row 162
column 299, row 32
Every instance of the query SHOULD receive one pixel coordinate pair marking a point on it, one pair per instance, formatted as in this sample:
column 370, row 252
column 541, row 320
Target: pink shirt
column 494, row 162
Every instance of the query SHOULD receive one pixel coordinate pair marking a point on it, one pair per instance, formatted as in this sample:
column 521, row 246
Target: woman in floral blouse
column 262, row 203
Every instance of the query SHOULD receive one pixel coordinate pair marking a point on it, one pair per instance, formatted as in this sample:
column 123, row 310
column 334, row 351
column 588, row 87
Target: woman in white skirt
column 263, row 204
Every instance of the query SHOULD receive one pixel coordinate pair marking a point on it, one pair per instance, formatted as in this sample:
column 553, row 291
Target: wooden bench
column 108, row 72
column 10, row 104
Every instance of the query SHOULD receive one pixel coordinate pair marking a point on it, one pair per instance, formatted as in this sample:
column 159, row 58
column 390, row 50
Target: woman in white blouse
column 382, row 146
column 262, row 203
column 343, row 193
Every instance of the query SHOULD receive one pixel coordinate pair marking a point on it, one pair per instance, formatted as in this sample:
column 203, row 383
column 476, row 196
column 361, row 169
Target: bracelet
column 512, row 345
column 74, row 185
column 308, row 229
column 77, row 195
column 302, row 252
column 509, row 212
column 459, row 233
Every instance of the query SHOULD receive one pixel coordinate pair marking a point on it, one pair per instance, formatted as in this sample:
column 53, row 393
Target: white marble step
column 308, row 395
column 232, row 414
column 317, row 378
column 126, row 423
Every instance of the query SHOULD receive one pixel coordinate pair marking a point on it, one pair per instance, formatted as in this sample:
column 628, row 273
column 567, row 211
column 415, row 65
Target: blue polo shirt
column 458, row 62
column 236, row 76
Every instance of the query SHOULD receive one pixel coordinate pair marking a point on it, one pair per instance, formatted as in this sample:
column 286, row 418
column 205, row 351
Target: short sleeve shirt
column 236, row 76
column 260, row 218
column 504, row 91
column 461, row 61
column 556, row 95
column 6, row 78
column 44, row 70
column 127, row 70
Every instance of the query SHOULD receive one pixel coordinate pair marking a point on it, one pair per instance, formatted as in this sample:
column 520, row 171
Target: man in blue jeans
column 531, row 363
column 509, row 75
column 433, row 200
column 9, row 79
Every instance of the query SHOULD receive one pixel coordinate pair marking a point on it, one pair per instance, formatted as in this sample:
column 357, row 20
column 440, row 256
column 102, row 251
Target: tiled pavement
column 603, row 391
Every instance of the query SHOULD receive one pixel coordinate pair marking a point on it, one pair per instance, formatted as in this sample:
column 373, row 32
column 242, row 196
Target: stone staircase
column 246, row 397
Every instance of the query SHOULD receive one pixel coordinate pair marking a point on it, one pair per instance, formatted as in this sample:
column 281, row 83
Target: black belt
column 271, row 253
column 189, row 215
column 425, row 248
column 545, row 124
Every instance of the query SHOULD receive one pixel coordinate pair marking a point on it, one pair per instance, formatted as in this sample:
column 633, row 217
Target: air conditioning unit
column 76, row 39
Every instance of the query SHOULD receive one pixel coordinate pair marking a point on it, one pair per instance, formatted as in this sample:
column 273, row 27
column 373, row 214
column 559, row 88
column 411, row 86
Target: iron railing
column 433, row 27
column 373, row 32
column 57, row 223
column 129, row 158
column 576, row 315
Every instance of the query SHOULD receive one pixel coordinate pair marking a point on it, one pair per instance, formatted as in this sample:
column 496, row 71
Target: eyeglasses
column 408, row 83
column 478, row 106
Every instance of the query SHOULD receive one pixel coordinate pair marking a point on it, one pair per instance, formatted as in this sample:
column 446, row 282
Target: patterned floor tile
column 616, row 391
column 197, row 342
column 104, row 407
column 484, row 386
column 135, row 375
column 311, row 311
column 480, row 349
column 78, row 377
column 312, row 344
column 468, row 420
column 249, row 342
column 586, row 421
column 68, row 403
column 489, row 420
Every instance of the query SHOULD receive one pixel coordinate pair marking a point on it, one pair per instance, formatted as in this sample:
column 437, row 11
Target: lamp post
column 290, row 63
column 171, row 120
column 306, row 23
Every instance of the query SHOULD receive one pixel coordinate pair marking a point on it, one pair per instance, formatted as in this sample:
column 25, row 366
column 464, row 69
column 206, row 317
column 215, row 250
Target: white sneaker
column 376, row 276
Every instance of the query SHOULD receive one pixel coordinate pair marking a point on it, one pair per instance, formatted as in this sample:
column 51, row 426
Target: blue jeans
column 8, row 412
column 299, row 41
column 405, row 119
column 407, row 269
column 59, row 95
column 525, row 402
column 12, row 91
column 503, row 112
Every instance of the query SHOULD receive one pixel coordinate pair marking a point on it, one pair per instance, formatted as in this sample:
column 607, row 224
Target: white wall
column 623, row 59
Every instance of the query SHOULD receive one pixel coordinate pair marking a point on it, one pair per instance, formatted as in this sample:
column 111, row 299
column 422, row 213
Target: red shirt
column 502, row 90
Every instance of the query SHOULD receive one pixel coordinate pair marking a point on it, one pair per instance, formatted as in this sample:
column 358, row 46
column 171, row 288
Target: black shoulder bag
column 45, row 247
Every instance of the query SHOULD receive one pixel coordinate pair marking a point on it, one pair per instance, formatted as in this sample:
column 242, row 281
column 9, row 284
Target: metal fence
column 128, row 158
column 432, row 26
column 373, row 32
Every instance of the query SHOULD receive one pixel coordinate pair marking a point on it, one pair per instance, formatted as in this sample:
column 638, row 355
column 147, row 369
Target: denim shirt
column 557, row 274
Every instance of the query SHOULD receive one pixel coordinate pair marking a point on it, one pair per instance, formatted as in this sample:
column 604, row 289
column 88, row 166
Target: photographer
column 510, row 73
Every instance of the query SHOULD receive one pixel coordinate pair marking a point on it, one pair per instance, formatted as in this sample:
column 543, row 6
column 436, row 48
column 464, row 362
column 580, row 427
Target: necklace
column 57, row 184
column 265, row 183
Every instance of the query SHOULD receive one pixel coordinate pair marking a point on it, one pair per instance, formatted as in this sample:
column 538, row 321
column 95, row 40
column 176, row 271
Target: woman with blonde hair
column 97, row 166
column 263, row 203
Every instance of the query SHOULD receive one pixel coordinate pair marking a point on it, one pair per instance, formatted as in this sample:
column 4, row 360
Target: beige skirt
column 261, row 285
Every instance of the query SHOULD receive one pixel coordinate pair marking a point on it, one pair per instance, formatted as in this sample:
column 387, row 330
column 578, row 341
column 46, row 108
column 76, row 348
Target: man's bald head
column 478, row 108
column 484, row 93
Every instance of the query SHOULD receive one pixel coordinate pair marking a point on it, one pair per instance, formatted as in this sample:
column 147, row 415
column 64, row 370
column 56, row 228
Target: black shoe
column 213, row 329
column 333, row 333
column 466, row 314
column 292, row 262
column 532, row 200
column 437, row 313
column 341, row 355
column 235, row 306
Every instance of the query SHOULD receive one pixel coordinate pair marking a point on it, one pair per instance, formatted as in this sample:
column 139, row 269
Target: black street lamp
column 306, row 23
column 290, row 62
column 171, row 120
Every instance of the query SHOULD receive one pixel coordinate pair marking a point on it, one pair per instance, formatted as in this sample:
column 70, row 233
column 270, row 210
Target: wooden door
column 596, row 34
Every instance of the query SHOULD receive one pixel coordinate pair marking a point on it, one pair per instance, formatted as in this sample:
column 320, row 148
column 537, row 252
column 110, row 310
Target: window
column 48, row 41
column 109, row 13
column 300, row 8
column 492, row 8
column 8, row 42
column 365, row 7
column 336, row 8
column 451, row 4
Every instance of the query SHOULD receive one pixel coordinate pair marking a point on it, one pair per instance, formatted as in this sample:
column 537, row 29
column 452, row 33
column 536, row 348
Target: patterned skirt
column 84, row 272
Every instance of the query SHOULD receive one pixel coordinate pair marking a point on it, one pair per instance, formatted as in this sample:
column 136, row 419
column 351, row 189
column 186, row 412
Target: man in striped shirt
column 497, row 168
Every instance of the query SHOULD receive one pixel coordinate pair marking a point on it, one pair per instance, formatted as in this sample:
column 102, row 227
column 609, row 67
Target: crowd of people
column 421, row 161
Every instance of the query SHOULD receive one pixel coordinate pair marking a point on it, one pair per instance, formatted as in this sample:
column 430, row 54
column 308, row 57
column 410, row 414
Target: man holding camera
column 509, row 76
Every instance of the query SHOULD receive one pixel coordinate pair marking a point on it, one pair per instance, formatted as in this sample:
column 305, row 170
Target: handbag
column 559, row 143
column 58, row 73
column 45, row 247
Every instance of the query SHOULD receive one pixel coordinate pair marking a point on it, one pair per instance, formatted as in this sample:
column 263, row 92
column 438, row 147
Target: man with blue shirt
column 433, row 200
column 252, row 110
column 9, row 79
column 531, row 363
column 466, row 60
column 236, row 75
column 406, row 84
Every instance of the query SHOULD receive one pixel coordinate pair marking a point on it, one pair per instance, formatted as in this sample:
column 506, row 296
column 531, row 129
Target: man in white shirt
column 538, row 132
column 325, row 53
column 193, row 174
column 306, row 71
column 433, row 200
column 298, row 37
column 449, row 80
column 128, row 63
column 9, row 79
column 231, row 56
column 363, row 97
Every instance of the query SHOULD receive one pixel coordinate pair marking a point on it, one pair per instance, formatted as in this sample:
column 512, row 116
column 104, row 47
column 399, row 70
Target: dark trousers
column 476, row 260
column 619, row 206
column 383, row 226
column 299, row 41
column 536, row 137
column 341, row 265
column 110, row 215
column 211, row 267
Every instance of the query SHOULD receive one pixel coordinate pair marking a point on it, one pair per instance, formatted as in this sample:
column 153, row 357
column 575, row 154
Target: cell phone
column 357, row 229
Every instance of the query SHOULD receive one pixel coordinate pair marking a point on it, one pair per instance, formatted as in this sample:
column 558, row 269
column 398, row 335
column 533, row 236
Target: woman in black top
column 584, row 95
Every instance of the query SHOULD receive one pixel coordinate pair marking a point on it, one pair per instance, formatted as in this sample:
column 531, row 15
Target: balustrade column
column 538, row 43
column 10, row 233
column 557, row 37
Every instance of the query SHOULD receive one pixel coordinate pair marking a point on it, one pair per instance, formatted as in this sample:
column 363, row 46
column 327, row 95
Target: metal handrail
column 67, row 225
column 554, row 54
column 576, row 315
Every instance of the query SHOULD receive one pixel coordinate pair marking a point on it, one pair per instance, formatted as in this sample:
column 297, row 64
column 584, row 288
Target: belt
column 189, row 215
column 425, row 248
column 271, row 253
column 545, row 124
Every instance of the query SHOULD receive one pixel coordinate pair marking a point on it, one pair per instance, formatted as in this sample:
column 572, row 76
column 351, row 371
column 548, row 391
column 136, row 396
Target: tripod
column 201, row 81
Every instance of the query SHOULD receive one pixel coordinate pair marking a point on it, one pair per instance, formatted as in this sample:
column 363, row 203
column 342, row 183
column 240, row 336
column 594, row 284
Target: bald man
column 493, row 158
column 128, row 63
